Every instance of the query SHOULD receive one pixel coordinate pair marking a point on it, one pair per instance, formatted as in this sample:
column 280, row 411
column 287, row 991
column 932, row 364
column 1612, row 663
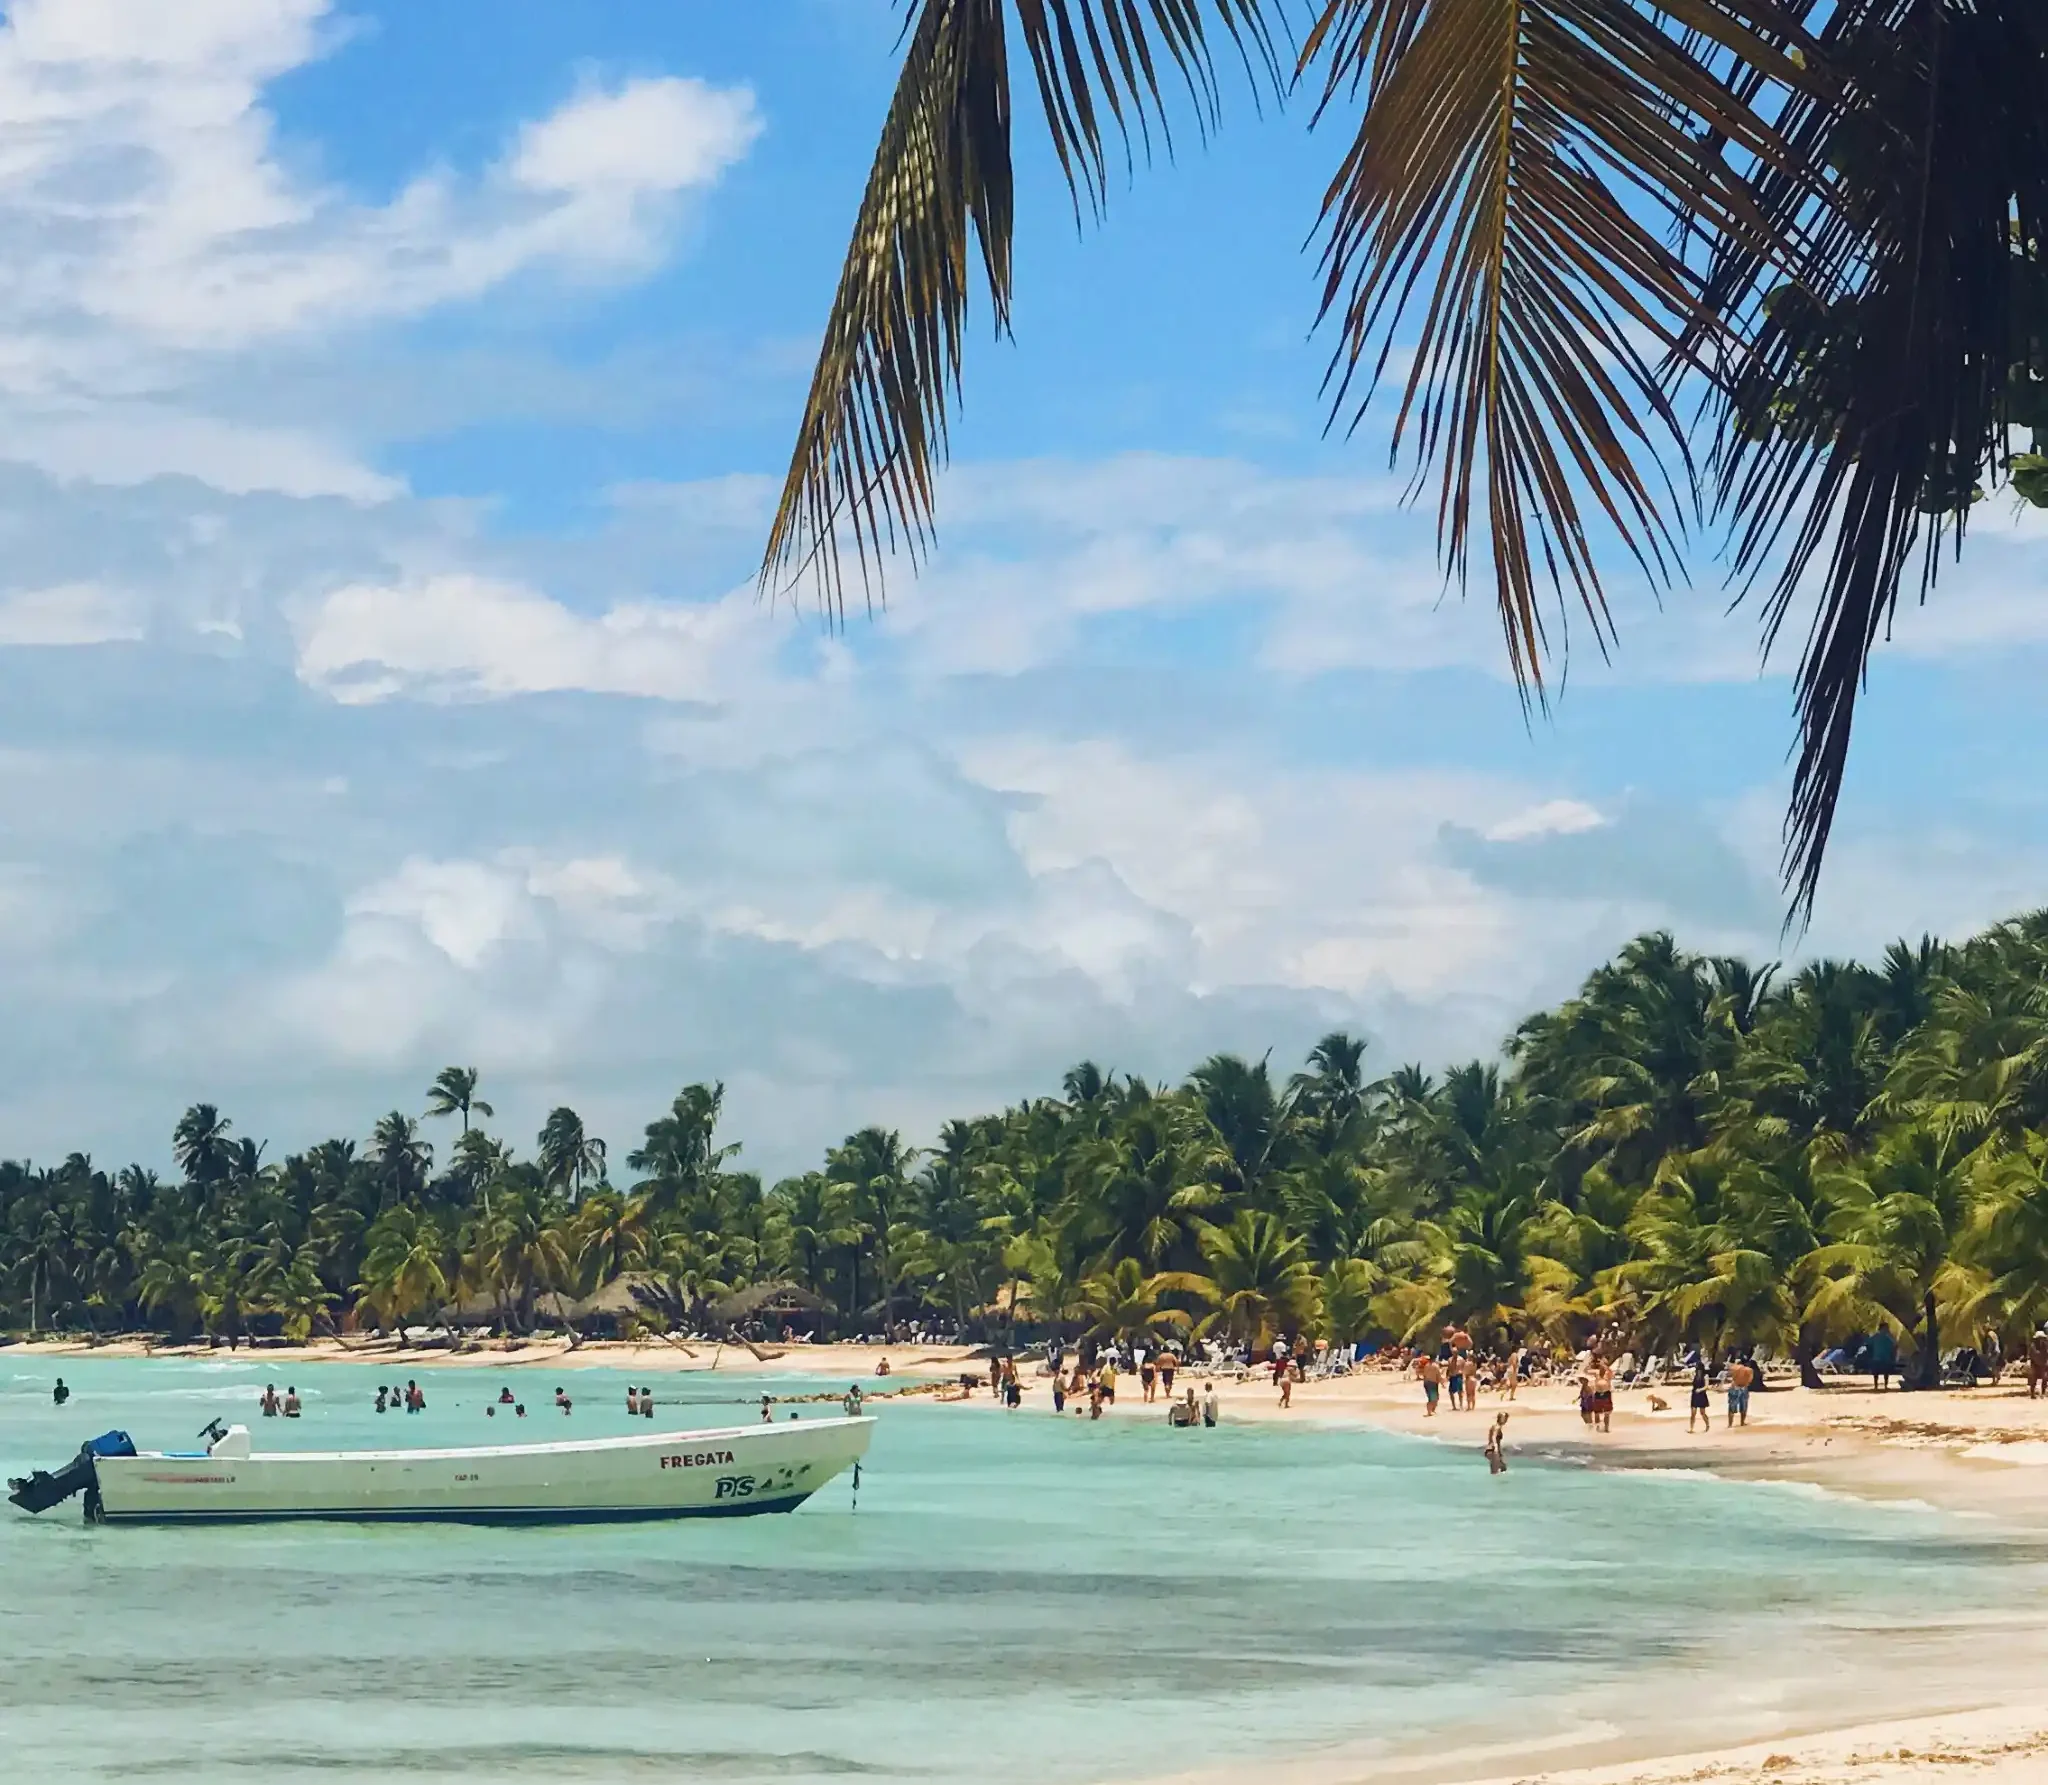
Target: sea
column 1053, row 1598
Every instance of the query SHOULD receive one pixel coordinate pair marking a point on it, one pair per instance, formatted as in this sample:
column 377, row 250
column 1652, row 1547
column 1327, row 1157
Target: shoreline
column 1962, row 1450
column 1976, row 1452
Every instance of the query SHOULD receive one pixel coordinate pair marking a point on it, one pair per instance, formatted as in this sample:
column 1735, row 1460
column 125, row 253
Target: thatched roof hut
column 771, row 1301
column 629, row 1293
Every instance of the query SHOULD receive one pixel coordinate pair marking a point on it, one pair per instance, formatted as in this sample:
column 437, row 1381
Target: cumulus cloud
column 151, row 220
column 69, row 614
column 460, row 635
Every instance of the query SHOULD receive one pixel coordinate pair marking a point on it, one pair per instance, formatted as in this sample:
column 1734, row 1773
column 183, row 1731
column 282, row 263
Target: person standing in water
column 267, row 1405
column 1212, row 1409
column 60, row 1394
column 1496, row 1445
column 291, row 1403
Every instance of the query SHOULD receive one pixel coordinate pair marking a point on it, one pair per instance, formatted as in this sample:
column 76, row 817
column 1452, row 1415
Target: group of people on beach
column 1454, row 1366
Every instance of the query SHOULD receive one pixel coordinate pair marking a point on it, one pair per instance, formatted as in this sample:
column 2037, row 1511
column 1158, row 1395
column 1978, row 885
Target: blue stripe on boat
column 507, row 1515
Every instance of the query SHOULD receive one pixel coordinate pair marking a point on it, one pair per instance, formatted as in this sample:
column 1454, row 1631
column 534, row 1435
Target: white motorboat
column 744, row 1469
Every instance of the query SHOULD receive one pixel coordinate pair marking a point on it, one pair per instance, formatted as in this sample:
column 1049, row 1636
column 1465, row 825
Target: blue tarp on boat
column 111, row 1444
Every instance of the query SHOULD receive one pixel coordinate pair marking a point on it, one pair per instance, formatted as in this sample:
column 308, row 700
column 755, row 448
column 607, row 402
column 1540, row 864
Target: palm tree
column 399, row 1158
column 1259, row 1278
column 202, row 1145
column 405, row 1270
column 1123, row 1303
column 1893, row 1231
column 569, row 1157
column 1572, row 215
column 453, row 1093
column 874, row 1165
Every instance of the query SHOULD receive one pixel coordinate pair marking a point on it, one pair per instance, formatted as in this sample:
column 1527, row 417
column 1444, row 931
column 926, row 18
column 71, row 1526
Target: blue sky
column 393, row 399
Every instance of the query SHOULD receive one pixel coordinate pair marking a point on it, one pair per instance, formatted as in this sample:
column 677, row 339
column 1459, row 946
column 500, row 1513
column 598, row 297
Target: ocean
column 1064, row 1600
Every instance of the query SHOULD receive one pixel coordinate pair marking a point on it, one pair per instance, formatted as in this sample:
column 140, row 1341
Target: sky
column 392, row 403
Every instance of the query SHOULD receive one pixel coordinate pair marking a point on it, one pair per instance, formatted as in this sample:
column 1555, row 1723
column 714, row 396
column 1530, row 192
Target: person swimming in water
column 60, row 1394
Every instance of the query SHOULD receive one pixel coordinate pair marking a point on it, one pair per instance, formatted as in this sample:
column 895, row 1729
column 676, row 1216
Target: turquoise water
column 1081, row 1601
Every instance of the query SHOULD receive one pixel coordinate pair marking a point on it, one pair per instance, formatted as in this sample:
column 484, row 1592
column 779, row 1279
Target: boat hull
column 722, row 1474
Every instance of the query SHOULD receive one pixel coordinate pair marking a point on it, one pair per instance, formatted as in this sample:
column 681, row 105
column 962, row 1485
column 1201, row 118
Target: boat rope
column 856, row 1484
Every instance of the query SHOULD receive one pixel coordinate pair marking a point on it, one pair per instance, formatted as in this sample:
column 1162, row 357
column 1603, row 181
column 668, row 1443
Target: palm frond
column 1873, row 394
column 874, row 431
column 1504, row 157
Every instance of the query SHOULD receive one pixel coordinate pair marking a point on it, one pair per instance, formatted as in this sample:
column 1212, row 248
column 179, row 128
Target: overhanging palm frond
column 1892, row 355
column 1497, row 182
column 874, row 430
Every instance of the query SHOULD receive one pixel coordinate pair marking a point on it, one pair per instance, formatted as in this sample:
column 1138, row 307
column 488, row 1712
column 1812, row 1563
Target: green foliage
column 1704, row 1151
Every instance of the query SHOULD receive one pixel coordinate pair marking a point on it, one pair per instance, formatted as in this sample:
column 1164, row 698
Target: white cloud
column 151, row 220
column 1550, row 819
column 69, row 614
column 461, row 635
column 648, row 136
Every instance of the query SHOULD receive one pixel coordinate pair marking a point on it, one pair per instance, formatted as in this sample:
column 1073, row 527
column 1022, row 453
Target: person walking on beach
column 1741, row 1374
column 1457, row 1374
column 1167, row 1365
column 1148, row 1377
column 1287, row 1374
column 1496, row 1445
column 1432, row 1384
column 1884, row 1355
column 2037, row 1364
column 1514, row 1370
column 1602, row 1385
column 1702, row 1409
column 1059, row 1392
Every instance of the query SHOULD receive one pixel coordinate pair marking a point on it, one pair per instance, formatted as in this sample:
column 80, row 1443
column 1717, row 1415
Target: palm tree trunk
column 1809, row 1377
column 1930, row 1354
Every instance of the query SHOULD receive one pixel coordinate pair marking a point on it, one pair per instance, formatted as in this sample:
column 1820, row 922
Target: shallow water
column 1075, row 1601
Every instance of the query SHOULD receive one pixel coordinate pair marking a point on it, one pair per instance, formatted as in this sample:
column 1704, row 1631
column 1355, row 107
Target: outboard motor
column 46, row 1488
column 43, row 1490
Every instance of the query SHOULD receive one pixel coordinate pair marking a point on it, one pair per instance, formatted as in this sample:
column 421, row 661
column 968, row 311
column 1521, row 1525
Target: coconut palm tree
column 874, row 1165
column 569, row 1156
column 453, row 1093
column 1124, row 1304
column 1259, row 1280
column 1893, row 1230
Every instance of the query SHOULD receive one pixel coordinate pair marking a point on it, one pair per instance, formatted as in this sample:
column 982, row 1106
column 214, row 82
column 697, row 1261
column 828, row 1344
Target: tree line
column 1692, row 1148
